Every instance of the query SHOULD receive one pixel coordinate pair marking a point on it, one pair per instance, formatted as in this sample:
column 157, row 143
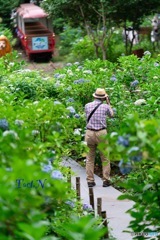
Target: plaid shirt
column 98, row 119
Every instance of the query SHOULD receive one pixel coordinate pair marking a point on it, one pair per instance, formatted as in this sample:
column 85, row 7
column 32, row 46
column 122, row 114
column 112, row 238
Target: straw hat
column 100, row 93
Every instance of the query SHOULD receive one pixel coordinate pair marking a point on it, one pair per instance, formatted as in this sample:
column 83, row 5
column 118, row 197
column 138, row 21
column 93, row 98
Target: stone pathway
column 118, row 219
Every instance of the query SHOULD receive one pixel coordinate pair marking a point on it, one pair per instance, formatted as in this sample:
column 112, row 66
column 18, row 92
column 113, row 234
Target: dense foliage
column 6, row 9
column 36, row 200
column 99, row 18
column 42, row 121
column 137, row 147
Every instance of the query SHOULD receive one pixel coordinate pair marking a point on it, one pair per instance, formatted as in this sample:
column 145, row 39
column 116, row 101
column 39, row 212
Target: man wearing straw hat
column 96, row 114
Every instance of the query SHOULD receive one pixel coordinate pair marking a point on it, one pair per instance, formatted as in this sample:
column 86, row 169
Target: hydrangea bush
column 137, row 148
column 42, row 121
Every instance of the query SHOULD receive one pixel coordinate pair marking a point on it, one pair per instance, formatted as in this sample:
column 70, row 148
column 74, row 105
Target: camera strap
column 90, row 115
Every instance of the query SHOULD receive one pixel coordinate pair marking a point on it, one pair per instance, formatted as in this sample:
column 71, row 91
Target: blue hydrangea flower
column 56, row 174
column 123, row 141
column 80, row 67
column 136, row 155
column 47, row 168
column 70, row 100
column 87, row 207
column 79, row 81
column 56, row 75
column 60, row 76
column 113, row 78
column 4, row 125
column 71, row 109
column 77, row 115
column 70, row 203
column 136, row 158
column 134, row 83
column 125, row 168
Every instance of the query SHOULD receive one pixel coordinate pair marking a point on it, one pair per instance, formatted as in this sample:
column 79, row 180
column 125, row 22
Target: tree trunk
column 104, row 52
column 96, row 47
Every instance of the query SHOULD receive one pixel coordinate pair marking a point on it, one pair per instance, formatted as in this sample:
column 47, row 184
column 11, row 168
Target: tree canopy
column 98, row 17
column 119, row 11
column 6, row 9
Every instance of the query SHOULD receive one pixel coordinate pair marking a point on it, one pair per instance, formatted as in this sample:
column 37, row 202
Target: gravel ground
column 46, row 67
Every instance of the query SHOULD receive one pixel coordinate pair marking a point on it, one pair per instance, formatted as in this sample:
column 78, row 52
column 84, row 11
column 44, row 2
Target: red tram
column 34, row 30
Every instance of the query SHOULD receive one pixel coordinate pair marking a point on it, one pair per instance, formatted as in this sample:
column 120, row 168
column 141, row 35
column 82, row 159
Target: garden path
column 118, row 219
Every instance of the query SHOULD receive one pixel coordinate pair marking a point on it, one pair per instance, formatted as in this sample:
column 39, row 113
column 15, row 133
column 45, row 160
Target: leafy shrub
column 31, row 151
column 82, row 49
column 46, row 121
column 67, row 38
column 139, row 149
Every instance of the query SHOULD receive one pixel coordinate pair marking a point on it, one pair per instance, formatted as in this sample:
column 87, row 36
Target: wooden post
column 99, row 206
column 91, row 197
column 78, row 188
column 104, row 217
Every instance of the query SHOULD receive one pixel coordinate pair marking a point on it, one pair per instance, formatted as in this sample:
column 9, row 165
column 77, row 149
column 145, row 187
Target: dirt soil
column 46, row 67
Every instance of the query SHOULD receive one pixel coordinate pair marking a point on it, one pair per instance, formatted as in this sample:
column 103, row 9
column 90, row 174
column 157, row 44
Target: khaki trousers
column 93, row 138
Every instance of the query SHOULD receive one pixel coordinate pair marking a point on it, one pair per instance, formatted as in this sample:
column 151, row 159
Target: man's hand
column 107, row 100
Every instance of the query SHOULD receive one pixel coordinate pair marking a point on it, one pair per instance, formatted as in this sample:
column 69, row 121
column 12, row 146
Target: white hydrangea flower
column 69, row 64
column 76, row 63
column 113, row 134
column 147, row 53
column 10, row 132
column 47, row 122
column 57, row 102
column 19, row 122
column 69, row 72
column 46, row 78
column 35, row 102
column 11, row 64
column 156, row 64
column 87, row 71
column 140, row 102
column 35, row 132
column 102, row 69
column 77, row 131
column 84, row 143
